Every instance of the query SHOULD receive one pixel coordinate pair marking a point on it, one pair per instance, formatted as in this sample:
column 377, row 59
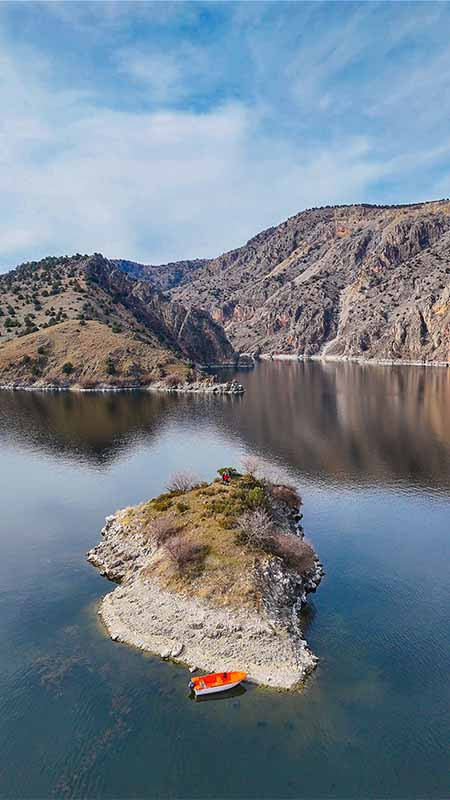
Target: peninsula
column 213, row 576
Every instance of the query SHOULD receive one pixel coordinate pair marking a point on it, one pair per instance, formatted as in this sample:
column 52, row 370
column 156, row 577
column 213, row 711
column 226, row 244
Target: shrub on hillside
column 187, row 556
column 255, row 528
column 110, row 366
column 182, row 482
column 295, row 552
column 68, row 368
column 162, row 528
column 232, row 472
column 287, row 494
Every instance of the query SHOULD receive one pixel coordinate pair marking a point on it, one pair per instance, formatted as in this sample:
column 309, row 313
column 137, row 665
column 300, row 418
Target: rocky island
column 213, row 576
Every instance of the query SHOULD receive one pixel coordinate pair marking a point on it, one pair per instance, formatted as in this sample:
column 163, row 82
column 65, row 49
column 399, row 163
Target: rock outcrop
column 252, row 624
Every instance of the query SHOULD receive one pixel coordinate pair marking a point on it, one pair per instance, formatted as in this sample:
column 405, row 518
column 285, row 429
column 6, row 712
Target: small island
column 213, row 575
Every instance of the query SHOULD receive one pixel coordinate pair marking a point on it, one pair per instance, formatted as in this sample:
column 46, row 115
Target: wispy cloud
column 181, row 131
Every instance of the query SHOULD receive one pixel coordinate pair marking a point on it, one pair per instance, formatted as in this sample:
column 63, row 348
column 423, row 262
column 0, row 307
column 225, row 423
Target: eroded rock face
column 354, row 281
column 191, row 331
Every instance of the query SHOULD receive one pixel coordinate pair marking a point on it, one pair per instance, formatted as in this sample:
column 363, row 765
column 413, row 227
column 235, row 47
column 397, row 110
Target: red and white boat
column 216, row 682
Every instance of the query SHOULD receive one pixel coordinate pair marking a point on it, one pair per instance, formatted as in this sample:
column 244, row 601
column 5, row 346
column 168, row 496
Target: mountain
column 83, row 310
column 361, row 280
column 162, row 276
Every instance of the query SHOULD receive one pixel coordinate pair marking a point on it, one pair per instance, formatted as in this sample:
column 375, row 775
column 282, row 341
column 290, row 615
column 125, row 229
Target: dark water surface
column 81, row 716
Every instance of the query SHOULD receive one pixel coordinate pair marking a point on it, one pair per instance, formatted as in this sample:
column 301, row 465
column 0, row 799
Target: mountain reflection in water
column 345, row 421
column 82, row 716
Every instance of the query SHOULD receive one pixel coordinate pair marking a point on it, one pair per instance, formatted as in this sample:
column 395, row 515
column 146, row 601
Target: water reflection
column 345, row 421
column 82, row 716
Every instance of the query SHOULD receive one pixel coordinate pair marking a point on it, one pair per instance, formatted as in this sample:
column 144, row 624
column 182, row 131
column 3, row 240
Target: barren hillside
column 367, row 281
column 84, row 305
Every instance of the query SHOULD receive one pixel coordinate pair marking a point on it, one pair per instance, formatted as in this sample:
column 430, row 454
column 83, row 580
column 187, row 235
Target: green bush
column 182, row 507
column 232, row 472
column 161, row 504
column 110, row 366
column 68, row 368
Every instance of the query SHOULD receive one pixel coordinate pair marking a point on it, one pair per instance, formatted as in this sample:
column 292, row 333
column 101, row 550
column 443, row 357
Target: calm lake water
column 81, row 716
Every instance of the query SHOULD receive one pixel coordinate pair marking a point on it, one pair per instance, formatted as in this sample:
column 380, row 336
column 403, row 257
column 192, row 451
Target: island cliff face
column 197, row 588
column 350, row 281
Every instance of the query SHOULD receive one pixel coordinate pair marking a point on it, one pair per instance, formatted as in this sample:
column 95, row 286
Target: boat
column 215, row 682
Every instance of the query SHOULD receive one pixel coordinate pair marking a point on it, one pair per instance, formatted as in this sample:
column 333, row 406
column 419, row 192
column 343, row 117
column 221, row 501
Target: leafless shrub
column 295, row 552
column 287, row 493
column 187, row 556
column 252, row 465
column 256, row 527
column 162, row 528
column 182, row 482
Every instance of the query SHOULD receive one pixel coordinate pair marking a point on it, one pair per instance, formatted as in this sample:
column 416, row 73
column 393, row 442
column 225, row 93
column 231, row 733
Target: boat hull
column 214, row 689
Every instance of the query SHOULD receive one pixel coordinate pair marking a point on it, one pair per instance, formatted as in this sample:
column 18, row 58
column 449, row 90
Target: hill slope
column 58, row 296
column 367, row 281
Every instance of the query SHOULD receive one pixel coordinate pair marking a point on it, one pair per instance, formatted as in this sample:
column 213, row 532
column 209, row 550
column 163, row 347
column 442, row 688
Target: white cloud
column 168, row 181
column 150, row 186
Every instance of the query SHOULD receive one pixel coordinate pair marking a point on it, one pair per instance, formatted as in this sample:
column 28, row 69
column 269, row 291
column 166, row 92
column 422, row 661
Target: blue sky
column 159, row 131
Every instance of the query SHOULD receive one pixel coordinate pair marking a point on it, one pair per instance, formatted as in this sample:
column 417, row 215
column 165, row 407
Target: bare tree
column 182, row 482
column 162, row 528
column 256, row 527
column 252, row 465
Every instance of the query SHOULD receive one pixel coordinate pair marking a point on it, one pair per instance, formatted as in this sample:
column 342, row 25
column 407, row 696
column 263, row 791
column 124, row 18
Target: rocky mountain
column 353, row 281
column 162, row 276
column 99, row 320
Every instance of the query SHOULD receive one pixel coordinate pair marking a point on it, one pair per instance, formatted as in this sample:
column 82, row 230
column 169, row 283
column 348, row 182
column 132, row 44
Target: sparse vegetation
column 162, row 528
column 255, row 528
column 182, row 482
column 286, row 493
column 187, row 556
column 295, row 552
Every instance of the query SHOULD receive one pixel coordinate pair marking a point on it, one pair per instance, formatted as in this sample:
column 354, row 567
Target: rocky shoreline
column 197, row 387
column 266, row 641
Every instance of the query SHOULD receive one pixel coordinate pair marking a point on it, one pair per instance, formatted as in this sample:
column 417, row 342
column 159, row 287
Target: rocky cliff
column 352, row 281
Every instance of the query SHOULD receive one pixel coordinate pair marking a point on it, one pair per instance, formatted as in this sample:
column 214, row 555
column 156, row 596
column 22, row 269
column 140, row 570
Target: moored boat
column 215, row 682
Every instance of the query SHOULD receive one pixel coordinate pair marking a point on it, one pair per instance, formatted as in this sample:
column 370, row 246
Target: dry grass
column 209, row 545
column 90, row 348
column 226, row 574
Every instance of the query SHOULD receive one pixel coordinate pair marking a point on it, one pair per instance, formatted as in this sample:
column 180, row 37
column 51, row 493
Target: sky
column 161, row 131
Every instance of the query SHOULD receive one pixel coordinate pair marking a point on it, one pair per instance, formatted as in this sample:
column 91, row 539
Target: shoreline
column 212, row 640
column 227, row 388
column 383, row 362
column 262, row 636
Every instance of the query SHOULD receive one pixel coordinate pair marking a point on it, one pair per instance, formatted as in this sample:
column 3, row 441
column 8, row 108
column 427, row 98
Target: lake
column 81, row 716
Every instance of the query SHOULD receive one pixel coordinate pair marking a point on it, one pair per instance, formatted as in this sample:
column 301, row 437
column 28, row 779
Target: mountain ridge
column 368, row 281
